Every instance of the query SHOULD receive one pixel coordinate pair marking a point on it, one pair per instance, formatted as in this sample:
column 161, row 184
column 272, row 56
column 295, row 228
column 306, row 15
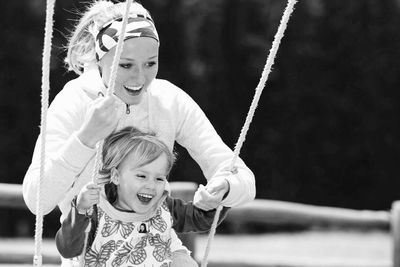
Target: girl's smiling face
column 137, row 68
column 140, row 188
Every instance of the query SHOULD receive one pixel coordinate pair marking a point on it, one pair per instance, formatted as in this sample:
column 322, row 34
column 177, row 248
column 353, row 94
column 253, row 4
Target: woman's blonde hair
column 81, row 45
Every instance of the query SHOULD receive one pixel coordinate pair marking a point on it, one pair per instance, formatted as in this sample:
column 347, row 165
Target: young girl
column 132, row 222
column 79, row 116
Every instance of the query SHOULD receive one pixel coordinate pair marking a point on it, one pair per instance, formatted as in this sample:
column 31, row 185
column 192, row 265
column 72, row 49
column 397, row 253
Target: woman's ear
column 114, row 176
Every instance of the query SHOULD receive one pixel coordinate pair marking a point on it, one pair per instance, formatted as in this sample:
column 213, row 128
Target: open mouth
column 133, row 90
column 145, row 198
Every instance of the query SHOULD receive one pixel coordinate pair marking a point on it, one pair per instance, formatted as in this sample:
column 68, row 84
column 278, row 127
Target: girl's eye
column 125, row 66
column 141, row 176
column 160, row 179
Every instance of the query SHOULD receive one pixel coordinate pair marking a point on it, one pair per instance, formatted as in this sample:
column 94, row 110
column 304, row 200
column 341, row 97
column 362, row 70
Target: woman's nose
column 138, row 75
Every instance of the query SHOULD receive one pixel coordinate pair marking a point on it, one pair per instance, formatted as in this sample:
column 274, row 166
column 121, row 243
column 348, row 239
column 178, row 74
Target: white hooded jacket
column 165, row 109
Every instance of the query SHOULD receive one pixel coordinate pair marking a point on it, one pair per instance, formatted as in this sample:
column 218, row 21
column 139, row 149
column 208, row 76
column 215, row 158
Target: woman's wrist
column 86, row 139
column 228, row 187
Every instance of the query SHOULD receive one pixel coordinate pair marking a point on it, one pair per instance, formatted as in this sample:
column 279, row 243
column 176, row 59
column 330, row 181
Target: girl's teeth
column 145, row 197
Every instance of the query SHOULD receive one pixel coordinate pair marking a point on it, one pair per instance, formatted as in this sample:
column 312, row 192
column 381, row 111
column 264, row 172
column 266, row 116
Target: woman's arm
column 203, row 143
column 65, row 156
column 189, row 218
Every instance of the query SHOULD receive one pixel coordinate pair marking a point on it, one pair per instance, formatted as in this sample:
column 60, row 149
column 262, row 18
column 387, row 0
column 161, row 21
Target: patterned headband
column 137, row 26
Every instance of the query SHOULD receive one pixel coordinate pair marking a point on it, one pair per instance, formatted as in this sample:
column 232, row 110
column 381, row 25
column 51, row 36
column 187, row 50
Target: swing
column 261, row 84
column 37, row 259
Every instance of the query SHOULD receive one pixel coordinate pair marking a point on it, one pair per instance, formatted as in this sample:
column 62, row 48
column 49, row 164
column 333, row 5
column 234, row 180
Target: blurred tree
column 325, row 131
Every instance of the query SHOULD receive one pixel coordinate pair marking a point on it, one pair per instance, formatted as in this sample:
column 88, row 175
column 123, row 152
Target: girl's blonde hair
column 145, row 147
column 81, row 45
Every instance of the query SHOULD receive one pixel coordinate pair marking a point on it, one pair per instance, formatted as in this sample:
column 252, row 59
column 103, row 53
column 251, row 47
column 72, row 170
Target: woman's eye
column 151, row 64
column 141, row 176
column 125, row 66
column 160, row 179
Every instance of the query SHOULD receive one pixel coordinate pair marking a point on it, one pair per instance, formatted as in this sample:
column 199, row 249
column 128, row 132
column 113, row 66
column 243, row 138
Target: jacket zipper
column 128, row 110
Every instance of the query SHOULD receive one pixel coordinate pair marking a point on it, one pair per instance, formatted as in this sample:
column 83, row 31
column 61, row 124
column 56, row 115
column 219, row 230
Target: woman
column 80, row 116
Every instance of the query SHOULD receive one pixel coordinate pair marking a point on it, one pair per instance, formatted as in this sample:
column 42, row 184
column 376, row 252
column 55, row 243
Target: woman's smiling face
column 137, row 68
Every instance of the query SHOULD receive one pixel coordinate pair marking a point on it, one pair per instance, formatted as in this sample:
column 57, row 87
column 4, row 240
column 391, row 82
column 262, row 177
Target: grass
column 308, row 249
column 299, row 249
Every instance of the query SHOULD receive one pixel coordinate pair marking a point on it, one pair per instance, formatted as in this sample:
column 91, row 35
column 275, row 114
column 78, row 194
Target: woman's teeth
column 133, row 88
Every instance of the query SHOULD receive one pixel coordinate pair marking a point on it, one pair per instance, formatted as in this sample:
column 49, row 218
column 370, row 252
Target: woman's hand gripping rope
column 100, row 121
column 210, row 196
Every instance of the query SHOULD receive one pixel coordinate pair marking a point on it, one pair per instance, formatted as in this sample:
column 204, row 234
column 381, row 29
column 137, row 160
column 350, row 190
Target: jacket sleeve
column 198, row 136
column 188, row 218
column 70, row 238
column 65, row 155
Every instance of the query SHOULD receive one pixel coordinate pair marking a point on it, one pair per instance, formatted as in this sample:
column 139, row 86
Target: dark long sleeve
column 70, row 238
column 188, row 218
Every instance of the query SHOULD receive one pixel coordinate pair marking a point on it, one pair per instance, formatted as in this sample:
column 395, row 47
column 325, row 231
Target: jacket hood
column 91, row 81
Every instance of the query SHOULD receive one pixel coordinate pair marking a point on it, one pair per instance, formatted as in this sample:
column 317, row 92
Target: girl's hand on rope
column 88, row 196
column 101, row 119
column 209, row 197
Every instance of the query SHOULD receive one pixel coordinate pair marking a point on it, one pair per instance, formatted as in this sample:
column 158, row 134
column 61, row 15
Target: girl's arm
column 189, row 218
column 70, row 238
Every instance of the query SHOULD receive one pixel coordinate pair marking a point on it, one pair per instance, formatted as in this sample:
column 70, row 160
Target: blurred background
column 326, row 129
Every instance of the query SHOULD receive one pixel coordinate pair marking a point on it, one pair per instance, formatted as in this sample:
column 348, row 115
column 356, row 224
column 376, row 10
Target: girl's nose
column 150, row 184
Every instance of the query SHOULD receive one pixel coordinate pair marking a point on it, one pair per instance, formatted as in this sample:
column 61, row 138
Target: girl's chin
column 143, row 207
column 142, row 210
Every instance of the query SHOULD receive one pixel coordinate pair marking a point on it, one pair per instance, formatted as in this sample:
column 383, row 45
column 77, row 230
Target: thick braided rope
column 111, row 83
column 48, row 33
column 267, row 69
column 110, row 91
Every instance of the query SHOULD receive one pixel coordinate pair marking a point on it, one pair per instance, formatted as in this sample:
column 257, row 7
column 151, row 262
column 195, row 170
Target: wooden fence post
column 185, row 191
column 395, row 230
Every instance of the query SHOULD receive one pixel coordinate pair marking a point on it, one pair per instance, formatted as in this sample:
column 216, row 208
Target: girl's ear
column 100, row 69
column 114, row 176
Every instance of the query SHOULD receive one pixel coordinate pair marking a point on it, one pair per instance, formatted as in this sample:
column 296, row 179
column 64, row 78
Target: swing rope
column 111, row 83
column 48, row 33
column 264, row 77
column 109, row 92
column 37, row 261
